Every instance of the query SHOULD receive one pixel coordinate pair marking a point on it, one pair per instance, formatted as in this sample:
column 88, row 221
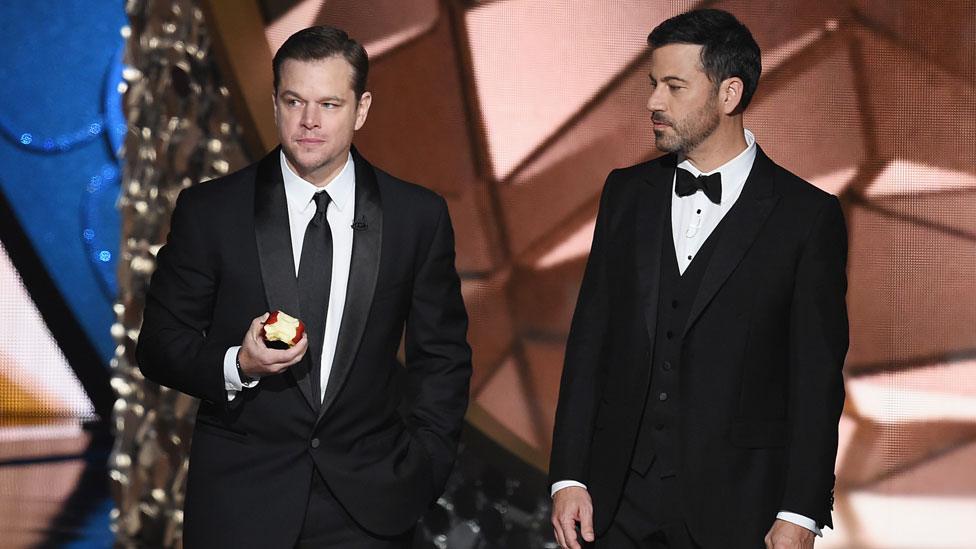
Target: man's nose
column 310, row 116
column 654, row 102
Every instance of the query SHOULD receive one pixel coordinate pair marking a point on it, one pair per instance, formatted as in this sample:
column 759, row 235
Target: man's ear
column 362, row 108
column 730, row 94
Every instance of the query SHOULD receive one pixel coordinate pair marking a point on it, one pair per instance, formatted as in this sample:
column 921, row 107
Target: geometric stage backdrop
column 516, row 111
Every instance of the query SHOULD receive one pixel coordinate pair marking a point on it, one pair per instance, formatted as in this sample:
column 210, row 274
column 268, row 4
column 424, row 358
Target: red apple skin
column 272, row 318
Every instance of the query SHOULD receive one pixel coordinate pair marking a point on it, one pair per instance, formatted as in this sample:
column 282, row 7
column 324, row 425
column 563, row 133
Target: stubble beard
column 686, row 135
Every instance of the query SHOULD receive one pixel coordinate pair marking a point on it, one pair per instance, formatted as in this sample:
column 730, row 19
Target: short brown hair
column 323, row 42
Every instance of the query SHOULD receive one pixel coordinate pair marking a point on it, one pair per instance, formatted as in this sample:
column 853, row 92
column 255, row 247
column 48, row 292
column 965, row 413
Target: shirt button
column 666, row 366
column 662, row 397
column 315, row 443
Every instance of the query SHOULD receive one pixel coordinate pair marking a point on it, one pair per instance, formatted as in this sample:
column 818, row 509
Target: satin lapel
column 273, row 237
column 363, row 272
column 653, row 226
column 741, row 226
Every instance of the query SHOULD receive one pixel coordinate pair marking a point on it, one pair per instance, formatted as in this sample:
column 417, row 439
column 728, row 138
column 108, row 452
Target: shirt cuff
column 800, row 520
column 232, row 379
column 557, row 486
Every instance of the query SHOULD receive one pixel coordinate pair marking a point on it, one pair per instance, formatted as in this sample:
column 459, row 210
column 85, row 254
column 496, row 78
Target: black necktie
column 314, row 282
column 687, row 185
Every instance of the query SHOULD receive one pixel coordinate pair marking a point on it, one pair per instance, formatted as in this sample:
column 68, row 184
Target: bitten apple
column 281, row 331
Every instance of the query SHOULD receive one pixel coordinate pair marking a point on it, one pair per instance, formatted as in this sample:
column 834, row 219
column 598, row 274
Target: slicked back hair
column 728, row 48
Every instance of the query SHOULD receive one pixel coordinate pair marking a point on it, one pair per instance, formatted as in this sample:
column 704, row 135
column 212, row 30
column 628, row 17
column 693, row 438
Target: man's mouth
column 310, row 141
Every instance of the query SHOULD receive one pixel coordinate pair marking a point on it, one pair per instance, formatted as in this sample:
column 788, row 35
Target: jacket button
column 666, row 366
column 669, row 335
column 662, row 397
column 315, row 443
column 674, row 303
column 659, row 426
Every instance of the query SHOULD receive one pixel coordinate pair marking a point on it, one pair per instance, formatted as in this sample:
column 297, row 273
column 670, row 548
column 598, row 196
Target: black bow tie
column 687, row 185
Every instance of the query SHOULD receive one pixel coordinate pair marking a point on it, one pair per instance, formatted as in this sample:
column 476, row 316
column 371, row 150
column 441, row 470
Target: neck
column 319, row 176
column 725, row 143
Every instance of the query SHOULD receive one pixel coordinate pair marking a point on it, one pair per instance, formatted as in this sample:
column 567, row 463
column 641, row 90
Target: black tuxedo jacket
column 228, row 259
column 761, row 387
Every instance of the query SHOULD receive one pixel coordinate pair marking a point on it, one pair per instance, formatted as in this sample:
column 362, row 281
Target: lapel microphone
column 359, row 224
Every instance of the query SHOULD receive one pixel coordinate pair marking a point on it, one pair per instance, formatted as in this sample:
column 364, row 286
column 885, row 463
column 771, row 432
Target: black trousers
column 327, row 524
column 648, row 516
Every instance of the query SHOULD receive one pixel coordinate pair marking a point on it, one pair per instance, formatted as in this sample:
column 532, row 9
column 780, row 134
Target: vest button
column 315, row 443
column 666, row 366
column 662, row 397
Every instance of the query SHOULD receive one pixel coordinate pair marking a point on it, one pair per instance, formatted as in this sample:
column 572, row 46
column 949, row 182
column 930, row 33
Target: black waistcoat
column 657, row 437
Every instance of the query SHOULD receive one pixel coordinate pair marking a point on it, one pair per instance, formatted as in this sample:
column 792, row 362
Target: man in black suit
column 330, row 443
column 703, row 383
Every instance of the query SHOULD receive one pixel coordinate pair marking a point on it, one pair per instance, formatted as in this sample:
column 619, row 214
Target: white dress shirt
column 693, row 218
column 301, row 208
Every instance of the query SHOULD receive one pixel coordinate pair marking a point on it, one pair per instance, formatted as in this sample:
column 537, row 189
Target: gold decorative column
column 181, row 131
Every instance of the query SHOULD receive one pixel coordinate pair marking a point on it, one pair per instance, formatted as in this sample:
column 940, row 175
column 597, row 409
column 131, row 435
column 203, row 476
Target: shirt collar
column 735, row 171
column 299, row 192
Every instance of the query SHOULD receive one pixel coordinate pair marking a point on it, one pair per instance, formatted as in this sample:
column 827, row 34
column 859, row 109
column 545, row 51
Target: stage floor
column 54, row 486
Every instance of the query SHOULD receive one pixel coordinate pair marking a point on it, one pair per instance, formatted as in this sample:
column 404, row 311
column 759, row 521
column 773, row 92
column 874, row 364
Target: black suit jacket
column 761, row 386
column 229, row 259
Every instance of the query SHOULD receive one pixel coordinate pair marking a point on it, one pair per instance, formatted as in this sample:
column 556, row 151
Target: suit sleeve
column 173, row 349
column 818, row 346
column 437, row 353
column 581, row 377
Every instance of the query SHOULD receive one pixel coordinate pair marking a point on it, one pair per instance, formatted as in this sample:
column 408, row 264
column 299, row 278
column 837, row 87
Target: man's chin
column 666, row 146
column 304, row 163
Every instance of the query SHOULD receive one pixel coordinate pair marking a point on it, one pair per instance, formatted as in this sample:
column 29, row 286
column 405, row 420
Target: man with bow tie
column 703, row 382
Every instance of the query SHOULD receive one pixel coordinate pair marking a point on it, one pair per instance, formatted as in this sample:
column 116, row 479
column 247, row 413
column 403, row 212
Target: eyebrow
column 669, row 79
column 331, row 98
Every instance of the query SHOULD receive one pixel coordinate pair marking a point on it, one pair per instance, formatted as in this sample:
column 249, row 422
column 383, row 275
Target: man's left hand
column 786, row 535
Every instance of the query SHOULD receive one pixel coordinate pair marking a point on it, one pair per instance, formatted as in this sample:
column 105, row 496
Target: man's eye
column 330, row 105
column 293, row 102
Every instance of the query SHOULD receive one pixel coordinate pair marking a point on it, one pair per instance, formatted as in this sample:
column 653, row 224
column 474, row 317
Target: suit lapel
column 653, row 226
column 273, row 236
column 741, row 226
column 363, row 272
